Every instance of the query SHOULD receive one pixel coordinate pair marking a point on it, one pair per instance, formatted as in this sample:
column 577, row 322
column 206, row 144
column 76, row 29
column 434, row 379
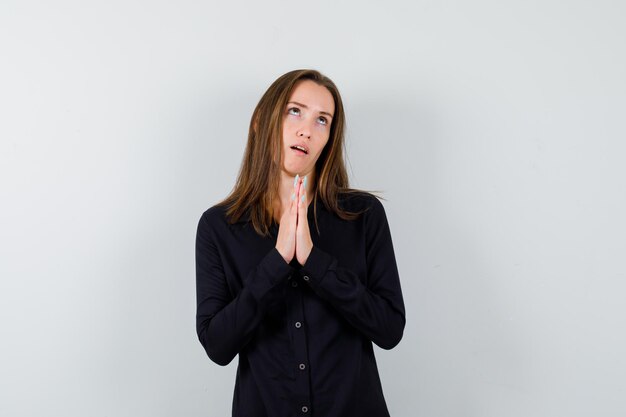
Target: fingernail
column 293, row 196
column 295, row 180
column 304, row 182
column 302, row 198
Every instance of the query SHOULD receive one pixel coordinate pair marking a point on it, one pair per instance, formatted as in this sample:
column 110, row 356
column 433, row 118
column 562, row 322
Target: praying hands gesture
column 294, row 237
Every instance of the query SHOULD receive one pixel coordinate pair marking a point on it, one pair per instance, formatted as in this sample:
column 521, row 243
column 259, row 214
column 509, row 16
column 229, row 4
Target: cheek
column 327, row 139
column 320, row 150
column 289, row 123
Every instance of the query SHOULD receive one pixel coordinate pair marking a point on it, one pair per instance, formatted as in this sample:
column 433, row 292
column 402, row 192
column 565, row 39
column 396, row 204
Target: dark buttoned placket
column 301, row 354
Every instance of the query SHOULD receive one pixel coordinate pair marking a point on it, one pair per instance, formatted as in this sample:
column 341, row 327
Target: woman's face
column 306, row 122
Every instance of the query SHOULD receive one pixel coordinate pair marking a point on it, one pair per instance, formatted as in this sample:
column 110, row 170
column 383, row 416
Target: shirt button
column 302, row 366
column 305, row 409
column 298, row 325
column 306, row 278
column 294, row 283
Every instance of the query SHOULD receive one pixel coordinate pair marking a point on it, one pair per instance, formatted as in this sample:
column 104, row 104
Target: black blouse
column 303, row 333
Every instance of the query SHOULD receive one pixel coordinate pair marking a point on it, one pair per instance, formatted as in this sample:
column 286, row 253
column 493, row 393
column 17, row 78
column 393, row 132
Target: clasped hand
column 294, row 237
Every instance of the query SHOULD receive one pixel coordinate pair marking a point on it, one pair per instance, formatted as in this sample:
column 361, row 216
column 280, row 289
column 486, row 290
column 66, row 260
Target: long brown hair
column 259, row 176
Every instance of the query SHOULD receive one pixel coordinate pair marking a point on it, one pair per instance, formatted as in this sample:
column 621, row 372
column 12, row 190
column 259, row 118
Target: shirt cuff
column 269, row 272
column 314, row 269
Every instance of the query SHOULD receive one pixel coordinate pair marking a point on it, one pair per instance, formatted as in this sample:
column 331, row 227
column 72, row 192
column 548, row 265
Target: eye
column 323, row 120
column 294, row 110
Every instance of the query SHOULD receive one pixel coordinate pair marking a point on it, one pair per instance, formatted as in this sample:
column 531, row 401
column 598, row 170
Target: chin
column 295, row 169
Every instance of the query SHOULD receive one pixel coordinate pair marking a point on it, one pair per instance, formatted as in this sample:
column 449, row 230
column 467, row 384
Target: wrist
column 282, row 254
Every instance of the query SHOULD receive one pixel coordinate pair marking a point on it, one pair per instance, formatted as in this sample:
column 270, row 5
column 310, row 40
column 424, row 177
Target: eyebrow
column 306, row 107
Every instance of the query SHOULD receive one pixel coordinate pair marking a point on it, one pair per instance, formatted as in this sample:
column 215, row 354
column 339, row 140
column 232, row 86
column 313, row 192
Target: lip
column 302, row 145
column 298, row 153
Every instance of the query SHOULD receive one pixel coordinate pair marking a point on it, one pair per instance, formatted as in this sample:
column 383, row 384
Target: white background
column 494, row 128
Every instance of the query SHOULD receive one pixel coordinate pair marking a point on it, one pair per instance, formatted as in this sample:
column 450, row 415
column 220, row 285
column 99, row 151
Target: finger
column 302, row 205
column 300, row 191
column 302, row 201
column 294, row 195
column 293, row 214
column 295, row 188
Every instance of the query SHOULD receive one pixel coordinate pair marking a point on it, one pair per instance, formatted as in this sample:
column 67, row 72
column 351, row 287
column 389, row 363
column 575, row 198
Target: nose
column 304, row 130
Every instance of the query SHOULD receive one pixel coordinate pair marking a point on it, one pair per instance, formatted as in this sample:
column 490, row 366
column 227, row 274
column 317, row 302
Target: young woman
column 295, row 271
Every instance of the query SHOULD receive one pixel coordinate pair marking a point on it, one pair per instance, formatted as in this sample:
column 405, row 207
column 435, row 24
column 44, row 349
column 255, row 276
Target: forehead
column 314, row 96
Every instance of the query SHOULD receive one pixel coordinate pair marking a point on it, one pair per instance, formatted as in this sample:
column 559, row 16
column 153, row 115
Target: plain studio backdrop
column 495, row 130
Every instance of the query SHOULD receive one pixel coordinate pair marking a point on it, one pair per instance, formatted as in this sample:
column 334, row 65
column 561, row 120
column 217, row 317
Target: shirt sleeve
column 226, row 323
column 376, row 309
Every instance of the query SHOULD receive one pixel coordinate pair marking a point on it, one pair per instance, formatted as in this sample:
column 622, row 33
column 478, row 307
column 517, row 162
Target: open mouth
column 299, row 149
